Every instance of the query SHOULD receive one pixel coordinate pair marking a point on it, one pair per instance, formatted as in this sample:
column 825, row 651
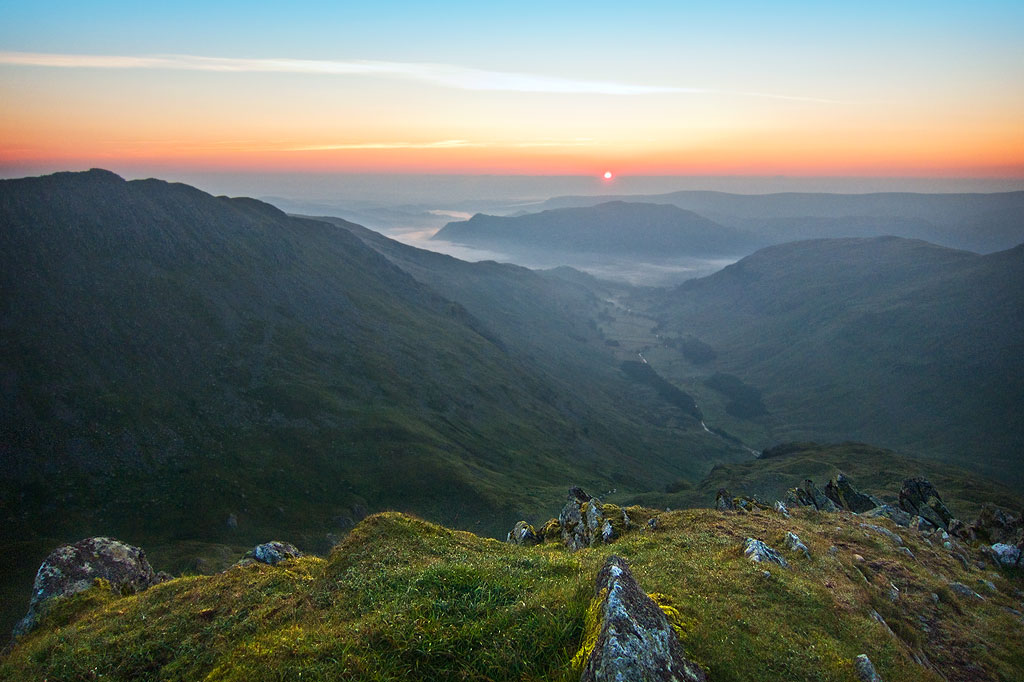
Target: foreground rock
column 271, row 553
column 635, row 642
column 755, row 550
column 522, row 534
column 865, row 669
column 73, row 568
column 585, row 521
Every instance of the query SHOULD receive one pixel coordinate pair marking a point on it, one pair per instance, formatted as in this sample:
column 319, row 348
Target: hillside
column 977, row 222
column 403, row 599
column 194, row 373
column 613, row 228
column 889, row 341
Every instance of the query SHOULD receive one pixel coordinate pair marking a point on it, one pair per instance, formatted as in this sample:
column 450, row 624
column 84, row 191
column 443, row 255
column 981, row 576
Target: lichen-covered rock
column 755, row 550
column 273, row 552
column 993, row 525
column 1007, row 555
column 723, row 500
column 809, row 495
column 551, row 531
column 781, row 508
column 585, row 521
column 895, row 514
column 918, row 496
column 635, row 641
column 522, row 534
column 793, row 544
column 73, row 568
column 865, row 669
column 844, row 495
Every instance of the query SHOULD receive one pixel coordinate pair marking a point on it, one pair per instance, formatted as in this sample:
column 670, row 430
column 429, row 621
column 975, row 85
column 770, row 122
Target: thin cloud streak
column 446, row 75
column 440, row 144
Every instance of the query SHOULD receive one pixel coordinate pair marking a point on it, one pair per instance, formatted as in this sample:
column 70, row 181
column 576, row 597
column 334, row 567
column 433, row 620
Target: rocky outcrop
column 585, row 521
column 633, row 640
column 271, row 553
column 755, row 550
column 894, row 514
column 1006, row 555
column 723, row 500
column 809, row 495
column 841, row 491
column 793, row 543
column 73, row 568
column 523, row 534
column 920, row 498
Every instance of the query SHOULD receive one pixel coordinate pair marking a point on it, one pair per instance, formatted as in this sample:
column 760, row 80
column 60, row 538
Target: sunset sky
column 859, row 88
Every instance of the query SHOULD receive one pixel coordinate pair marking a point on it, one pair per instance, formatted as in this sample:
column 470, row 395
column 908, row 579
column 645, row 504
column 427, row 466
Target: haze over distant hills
column 977, row 222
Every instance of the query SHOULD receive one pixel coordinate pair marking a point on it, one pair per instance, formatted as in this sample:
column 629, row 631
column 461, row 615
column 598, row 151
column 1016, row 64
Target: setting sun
column 607, row 175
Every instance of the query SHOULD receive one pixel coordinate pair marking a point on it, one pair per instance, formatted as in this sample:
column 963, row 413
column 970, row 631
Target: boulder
column 918, row 496
column 884, row 531
column 793, row 544
column 993, row 525
column 73, row 568
column 551, row 531
column 844, row 495
column 895, row 514
column 585, row 521
column 865, row 669
column 271, row 553
column 634, row 639
column 523, row 534
column 723, row 500
column 809, row 495
column 755, row 550
column 1006, row 555
column 964, row 591
column 781, row 508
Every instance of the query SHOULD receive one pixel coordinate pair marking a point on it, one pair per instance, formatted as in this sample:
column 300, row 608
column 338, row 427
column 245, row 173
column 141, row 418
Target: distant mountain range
column 977, row 222
column 616, row 228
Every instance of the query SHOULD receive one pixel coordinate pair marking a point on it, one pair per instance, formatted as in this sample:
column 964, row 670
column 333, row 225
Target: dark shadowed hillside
column 891, row 341
column 189, row 372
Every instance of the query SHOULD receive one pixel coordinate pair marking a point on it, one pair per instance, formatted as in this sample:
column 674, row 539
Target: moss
column 591, row 632
column 551, row 531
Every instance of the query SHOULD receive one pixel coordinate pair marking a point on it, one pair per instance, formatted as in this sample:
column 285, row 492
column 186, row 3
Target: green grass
column 401, row 598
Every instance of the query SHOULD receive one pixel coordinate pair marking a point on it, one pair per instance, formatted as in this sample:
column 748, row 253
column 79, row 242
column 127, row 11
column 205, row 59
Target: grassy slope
column 404, row 599
column 888, row 341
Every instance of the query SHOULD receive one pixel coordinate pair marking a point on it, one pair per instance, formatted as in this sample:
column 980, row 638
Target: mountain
column 891, row 341
column 977, row 222
column 196, row 373
column 614, row 228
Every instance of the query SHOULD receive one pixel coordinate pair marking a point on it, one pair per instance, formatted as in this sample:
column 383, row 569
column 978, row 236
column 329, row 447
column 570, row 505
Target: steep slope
column 978, row 222
column 890, row 341
column 187, row 371
column 614, row 228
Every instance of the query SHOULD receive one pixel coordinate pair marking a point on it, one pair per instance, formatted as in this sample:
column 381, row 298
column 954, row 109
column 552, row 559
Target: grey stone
column 522, row 534
column 897, row 515
column 755, row 550
column 821, row 501
column 73, row 568
column 865, row 669
column 271, row 553
column 964, row 591
column 918, row 496
column 781, row 508
column 843, row 494
column 793, row 544
column 636, row 643
column 723, row 500
column 884, row 531
column 1007, row 555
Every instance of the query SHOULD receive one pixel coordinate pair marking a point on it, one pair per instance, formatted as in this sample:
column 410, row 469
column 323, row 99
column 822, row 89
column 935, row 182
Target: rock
column 988, row 584
column 73, row 568
column 918, row 496
column 865, row 669
column 273, row 552
column 907, row 552
column 723, row 500
column 884, row 531
column 1007, row 555
column 585, row 521
column 844, row 495
column 522, row 534
column 793, row 544
column 964, row 591
column 996, row 526
column 808, row 495
column 652, row 523
column 781, row 508
column 895, row 514
column 550, row 531
column 755, row 550
column 635, row 640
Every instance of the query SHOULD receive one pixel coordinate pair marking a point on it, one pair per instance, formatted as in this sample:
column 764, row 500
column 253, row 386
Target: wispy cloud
column 446, row 75
column 440, row 144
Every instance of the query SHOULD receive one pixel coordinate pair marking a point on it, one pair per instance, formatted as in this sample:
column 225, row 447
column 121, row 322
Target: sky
column 865, row 89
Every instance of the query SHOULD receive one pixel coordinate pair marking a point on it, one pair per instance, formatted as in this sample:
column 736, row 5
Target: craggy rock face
column 73, row 568
column 844, row 495
column 920, row 497
column 636, row 642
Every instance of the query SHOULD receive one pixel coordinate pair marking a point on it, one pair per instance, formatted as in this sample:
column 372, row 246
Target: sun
column 607, row 175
